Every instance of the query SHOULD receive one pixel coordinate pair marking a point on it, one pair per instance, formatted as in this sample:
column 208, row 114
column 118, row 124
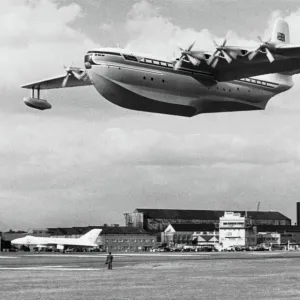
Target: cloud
column 38, row 39
column 151, row 32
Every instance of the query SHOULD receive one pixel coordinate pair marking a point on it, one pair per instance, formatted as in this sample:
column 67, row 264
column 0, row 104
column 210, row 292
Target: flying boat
column 229, row 79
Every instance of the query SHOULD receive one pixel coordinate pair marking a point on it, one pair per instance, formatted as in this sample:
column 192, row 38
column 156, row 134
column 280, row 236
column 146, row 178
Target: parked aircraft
column 87, row 240
column 229, row 79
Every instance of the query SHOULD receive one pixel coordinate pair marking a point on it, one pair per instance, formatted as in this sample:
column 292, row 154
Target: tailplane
column 91, row 236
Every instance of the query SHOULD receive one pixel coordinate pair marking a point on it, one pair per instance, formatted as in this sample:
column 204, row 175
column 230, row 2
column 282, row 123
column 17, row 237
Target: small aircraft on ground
column 87, row 240
column 229, row 79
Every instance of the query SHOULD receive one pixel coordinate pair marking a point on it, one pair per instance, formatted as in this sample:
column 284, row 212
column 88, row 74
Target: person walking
column 109, row 260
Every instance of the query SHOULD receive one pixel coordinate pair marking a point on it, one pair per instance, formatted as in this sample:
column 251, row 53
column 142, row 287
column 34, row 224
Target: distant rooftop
column 207, row 214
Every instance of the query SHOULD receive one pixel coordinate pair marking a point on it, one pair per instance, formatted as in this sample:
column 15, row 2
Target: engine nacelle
column 37, row 103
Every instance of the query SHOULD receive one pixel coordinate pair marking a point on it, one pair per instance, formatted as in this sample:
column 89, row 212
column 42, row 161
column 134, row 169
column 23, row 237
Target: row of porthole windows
column 229, row 90
column 152, row 79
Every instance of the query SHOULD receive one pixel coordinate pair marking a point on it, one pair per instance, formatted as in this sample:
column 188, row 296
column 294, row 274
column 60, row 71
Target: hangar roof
column 123, row 230
column 206, row 214
column 194, row 227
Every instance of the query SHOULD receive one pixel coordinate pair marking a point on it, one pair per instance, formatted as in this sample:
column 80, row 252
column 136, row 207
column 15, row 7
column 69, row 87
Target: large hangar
column 157, row 220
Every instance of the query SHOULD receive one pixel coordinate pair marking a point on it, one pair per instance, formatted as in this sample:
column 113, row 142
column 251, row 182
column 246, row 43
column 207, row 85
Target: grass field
column 214, row 276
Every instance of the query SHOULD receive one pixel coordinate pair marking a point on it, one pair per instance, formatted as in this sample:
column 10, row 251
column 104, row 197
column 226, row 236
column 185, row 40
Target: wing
column 286, row 60
column 76, row 77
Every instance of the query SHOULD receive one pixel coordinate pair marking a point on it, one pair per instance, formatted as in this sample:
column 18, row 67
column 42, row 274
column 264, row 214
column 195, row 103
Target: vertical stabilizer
column 281, row 32
column 91, row 236
column 280, row 35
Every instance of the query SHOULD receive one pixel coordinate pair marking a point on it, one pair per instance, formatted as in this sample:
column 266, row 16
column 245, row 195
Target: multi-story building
column 179, row 235
column 236, row 230
column 268, row 238
column 126, row 239
column 157, row 220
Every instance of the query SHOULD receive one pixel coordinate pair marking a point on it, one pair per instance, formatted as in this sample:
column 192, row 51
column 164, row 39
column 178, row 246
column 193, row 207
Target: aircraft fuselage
column 148, row 84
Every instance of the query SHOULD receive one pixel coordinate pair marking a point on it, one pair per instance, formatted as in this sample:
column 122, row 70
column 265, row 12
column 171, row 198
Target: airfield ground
column 246, row 275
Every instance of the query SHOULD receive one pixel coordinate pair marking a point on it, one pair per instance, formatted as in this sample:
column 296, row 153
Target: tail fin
column 91, row 236
column 281, row 32
column 281, row 35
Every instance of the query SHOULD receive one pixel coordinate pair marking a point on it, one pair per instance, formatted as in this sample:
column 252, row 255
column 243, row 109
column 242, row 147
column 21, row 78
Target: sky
column 87, row 161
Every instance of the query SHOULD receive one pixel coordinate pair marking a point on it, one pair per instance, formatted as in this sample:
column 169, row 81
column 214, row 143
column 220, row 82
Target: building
column 268, row 238
column 237, row 230
column 157, row 220
column 126, row 239
column 179, row 235
column 288, row 234
column 298, row 213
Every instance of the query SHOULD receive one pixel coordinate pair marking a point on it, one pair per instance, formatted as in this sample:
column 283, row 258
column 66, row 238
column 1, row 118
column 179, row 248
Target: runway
column 240, row 275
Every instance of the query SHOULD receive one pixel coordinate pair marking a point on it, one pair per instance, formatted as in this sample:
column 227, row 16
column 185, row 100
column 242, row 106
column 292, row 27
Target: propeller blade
column 226, row 56
column 191, row 46
column 193, row 60
column 77, row 75
column 224, row 43
column 178, row 63
column 269, row 55
column 261, row 41
column 212, row 57
column 253, row 53
column 65, row 81
column 214, row 64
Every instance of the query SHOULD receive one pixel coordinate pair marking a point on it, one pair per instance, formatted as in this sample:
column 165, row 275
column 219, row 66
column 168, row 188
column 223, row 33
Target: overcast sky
column 87, row 161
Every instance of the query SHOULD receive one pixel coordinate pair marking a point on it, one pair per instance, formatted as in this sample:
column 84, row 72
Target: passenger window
column 156, row 62
column 163, row 64
column 149, row 61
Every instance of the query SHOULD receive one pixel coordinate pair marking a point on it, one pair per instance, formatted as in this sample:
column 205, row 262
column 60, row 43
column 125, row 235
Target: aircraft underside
column 163, row 101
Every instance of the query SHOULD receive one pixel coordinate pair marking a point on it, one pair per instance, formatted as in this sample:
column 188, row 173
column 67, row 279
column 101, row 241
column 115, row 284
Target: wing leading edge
column 76, row 77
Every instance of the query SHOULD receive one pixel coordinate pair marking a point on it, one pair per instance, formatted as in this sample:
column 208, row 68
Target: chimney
column 298, row 213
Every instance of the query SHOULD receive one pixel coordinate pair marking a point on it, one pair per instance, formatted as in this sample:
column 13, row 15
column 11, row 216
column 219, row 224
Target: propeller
column 227, row 52
column 76, row 72
column 263, row 47
column 194, row 57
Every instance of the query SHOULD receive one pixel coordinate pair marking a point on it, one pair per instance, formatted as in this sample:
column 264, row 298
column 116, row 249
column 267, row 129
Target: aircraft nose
column 88, row 61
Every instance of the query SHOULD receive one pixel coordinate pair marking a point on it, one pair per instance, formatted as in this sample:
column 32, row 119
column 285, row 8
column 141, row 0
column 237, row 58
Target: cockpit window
column 102, row 53
column 130, row 57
